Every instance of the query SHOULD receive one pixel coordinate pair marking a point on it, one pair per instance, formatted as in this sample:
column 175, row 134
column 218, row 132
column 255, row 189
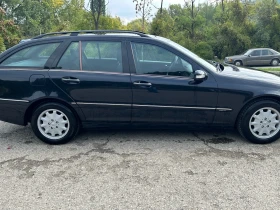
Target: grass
column 269, row 69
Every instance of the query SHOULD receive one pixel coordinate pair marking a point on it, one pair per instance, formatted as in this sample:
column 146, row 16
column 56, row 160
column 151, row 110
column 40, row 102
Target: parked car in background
column 255, row 57
column 61, row 82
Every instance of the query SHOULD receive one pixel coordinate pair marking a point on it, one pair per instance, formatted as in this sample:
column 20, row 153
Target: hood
column 236, row 56
column 252, row 75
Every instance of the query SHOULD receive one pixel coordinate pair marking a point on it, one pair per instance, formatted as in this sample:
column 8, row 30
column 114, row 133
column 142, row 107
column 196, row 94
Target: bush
column 204, row 50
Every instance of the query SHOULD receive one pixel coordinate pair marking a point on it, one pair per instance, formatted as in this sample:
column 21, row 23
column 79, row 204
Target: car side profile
column 255, row 57
column 62, row 82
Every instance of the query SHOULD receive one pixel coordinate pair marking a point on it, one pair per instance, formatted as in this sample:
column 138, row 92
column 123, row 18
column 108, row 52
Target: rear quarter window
column 34, row 56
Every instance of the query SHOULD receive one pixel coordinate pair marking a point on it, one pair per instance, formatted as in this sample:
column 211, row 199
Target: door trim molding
column 14, row 100
column 155, row 106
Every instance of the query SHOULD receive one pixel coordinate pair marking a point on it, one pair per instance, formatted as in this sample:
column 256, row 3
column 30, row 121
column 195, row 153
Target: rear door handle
column 70, row 80
column 142, row 83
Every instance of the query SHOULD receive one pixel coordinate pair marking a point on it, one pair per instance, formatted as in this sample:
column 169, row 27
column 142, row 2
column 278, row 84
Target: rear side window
column 102, row 56
column 93, row 56
column 34, row 56
column 266, row 52
column 71, row 58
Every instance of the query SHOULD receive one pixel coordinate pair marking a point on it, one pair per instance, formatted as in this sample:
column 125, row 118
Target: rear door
column 266, row 57
column 95, row 73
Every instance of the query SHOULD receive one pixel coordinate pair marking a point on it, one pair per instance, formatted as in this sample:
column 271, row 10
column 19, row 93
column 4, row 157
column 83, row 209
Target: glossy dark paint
column 117, row 101
column 238, row 88
column 98, row 88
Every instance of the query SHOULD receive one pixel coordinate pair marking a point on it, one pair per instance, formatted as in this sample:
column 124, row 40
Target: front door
column 254, row 58
column 93, row 74
column 163, row 88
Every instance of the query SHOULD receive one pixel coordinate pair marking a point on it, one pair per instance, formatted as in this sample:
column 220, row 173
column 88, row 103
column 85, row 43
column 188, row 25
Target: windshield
column 248, row 52
column 187, row 52
column 274, row 51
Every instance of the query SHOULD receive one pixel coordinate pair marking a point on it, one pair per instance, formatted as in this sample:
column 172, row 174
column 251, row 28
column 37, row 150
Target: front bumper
column 229, row 61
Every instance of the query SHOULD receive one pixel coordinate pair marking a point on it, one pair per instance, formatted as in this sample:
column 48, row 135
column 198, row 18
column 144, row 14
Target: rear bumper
column 13, row 111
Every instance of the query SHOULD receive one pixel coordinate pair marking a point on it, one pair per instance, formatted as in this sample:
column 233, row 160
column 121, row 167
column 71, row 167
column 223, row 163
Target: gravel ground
column 122, row 170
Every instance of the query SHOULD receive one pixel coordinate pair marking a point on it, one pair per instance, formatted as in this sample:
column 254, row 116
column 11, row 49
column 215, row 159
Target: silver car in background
column 255, row 57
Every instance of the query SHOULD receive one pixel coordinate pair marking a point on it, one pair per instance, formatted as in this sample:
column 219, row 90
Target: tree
column 9, row 31
column 162, row 24
column 143, row 8
column 135, row 25
column 107, row 22
column 98, row 8
column 193, row 17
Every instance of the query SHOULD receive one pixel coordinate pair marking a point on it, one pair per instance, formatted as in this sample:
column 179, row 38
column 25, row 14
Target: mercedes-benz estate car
column 61, row 82
column 255, row 57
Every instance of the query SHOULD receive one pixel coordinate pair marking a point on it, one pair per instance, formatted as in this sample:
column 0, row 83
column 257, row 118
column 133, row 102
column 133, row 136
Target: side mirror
column 249, row 55
column 200, row 75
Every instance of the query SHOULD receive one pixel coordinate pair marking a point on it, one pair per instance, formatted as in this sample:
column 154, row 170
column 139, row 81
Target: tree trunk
column 192, row 27
column 143, row 16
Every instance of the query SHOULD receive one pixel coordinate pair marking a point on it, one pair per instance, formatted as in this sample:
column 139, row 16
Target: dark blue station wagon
column 61, row 82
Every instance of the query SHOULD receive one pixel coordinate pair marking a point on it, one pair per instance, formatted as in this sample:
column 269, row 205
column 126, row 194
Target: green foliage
column 108, row 22
column 9, row 35
column 209, row 29
column 162, row 24
column 135, row 25
column 2, row 45
column 204, row 50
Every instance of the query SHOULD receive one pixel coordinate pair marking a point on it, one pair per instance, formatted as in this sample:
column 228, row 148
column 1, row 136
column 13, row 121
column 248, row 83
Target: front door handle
column 70, row 80
column 142, row 83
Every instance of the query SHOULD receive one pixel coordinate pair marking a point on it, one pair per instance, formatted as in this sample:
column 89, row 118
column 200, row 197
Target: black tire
column 238, row 63
column 247, row 130
column 275, row 62
column 72, row 124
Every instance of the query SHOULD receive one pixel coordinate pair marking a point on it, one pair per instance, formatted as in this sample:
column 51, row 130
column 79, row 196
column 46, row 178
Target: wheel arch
column 239, row 60
column 275, row 58
column 36, row 104
column 275, row 98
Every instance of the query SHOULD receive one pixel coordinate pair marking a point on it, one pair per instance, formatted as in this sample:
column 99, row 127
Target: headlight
column 229, row 59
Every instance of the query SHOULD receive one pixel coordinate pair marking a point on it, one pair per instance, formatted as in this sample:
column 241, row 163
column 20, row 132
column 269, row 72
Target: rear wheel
column 260, row 122
column 275, row 62
column 54, row 123
column 238, row 63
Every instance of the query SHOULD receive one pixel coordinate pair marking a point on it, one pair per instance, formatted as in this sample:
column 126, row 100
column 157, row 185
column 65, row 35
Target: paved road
column 138, row 170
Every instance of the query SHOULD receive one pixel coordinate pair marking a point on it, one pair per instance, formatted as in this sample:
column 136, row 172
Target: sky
column 125, row 9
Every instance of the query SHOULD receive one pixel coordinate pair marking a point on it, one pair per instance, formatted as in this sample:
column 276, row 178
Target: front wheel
column 238, row 63
column 54, row 123
column 260, row 122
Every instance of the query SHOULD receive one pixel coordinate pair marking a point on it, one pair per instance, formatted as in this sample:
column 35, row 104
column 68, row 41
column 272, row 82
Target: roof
column 260, row 49
column 93, row 32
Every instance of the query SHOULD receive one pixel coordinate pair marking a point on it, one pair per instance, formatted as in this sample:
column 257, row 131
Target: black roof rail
column 76, row 33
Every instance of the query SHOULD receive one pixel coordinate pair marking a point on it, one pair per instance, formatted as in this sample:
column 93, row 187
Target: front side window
column 35, row 56
column 154, row 60
column 256, row 53
column 102, row 56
